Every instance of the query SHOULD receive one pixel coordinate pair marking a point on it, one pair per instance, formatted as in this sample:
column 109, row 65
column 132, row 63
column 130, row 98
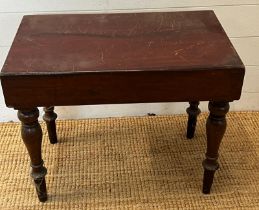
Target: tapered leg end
column 41, row 190
column 38, row 174
column 51, row 126
column 207, row 181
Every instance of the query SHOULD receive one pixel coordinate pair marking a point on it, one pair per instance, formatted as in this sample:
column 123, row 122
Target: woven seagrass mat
column 133, row 163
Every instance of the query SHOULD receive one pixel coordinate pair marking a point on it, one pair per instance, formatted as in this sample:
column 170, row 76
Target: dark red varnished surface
column 137, row 41
column 120, row 58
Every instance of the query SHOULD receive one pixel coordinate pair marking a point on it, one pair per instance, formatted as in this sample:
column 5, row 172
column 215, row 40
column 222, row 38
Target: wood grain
column 119, row 42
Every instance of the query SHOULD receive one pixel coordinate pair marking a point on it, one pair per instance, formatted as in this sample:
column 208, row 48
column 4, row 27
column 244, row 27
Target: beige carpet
column 133, row 163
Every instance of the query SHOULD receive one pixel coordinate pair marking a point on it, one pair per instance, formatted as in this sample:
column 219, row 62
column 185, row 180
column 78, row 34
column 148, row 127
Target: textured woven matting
column 133, row 163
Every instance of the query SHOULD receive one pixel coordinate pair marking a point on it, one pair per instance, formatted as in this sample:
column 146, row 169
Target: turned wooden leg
column 32, row 138
column 215, row 129
column 49, row 117
column 193, row 111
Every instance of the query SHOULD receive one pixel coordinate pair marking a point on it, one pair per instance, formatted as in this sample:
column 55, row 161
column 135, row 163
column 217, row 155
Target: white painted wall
column 240, row 18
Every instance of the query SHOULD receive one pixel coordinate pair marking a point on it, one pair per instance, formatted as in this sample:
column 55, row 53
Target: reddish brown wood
column 120, row 42
column 120, row 58
column 122, row 87
column 49, row 117
column 215, row 129
column 32, row 138
column 193, row 111
column 185, row 53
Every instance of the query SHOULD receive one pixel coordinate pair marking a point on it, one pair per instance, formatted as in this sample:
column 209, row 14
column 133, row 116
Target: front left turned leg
column 49, row 117
column 32, row 138
column 193, row 112
column 215, row 129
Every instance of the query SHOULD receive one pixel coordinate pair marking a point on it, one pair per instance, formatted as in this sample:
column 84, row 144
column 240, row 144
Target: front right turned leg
column 32, row 138
column 215, row 129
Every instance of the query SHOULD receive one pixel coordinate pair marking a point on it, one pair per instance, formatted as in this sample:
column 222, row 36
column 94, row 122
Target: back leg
column 49, row 117
column 193, row 111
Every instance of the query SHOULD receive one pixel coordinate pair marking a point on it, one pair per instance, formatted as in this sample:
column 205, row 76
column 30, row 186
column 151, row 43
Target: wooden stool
column 121, row 58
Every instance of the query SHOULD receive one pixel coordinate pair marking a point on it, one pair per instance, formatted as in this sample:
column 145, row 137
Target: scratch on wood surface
column 73, row 69
column 134, row 28
column 80, row 30
column 161, row 23
column 150, row 43
column 28, row 39
column 37, row 44
column 102, row 57
column 176, row 52
column 173, row 25
column 29, row 65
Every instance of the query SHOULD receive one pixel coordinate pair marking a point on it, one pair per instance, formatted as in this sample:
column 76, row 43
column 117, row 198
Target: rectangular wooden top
column 73, row 43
